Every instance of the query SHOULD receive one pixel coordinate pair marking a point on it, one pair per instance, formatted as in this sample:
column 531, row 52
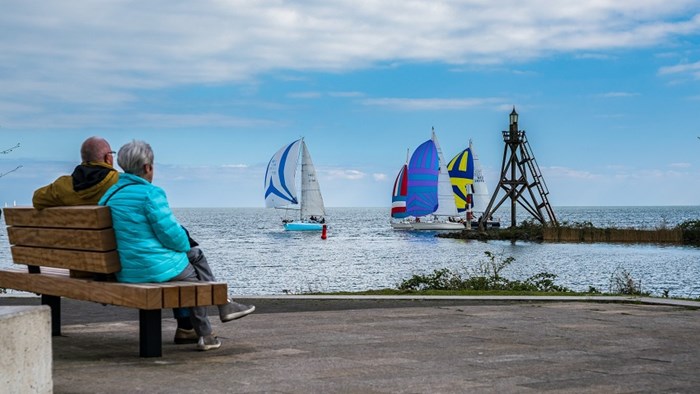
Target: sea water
column 248, row 248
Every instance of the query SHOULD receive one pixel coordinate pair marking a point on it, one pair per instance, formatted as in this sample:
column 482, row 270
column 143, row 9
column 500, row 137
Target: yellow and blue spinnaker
column 461, row 170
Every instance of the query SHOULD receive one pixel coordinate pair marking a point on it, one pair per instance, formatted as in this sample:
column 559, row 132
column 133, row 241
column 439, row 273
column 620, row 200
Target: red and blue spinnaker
column 400, row 194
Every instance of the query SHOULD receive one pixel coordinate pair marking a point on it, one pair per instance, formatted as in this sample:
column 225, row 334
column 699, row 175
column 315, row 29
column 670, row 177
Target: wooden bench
column 71, row 252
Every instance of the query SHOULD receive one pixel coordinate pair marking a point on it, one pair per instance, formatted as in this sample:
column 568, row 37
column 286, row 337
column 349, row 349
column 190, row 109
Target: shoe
column 234, row 310
column 208, row 342
column 183, row 336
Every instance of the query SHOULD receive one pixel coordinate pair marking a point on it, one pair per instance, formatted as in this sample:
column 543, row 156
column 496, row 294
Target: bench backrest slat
column 101, row 240
column 83, row 216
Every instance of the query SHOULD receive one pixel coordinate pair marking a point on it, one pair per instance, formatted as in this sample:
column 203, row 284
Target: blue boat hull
column 294, row 226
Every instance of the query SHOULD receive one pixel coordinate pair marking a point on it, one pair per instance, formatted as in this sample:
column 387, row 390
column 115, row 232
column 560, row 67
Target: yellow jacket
column 85, row 186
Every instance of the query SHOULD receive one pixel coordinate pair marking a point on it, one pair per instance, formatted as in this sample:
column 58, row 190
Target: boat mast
column 311, row 203
column 303, row 177
column 469, row 215
column 445, row 196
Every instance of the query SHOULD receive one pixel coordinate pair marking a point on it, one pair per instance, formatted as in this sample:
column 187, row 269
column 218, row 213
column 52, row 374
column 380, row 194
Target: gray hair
column 133, row 156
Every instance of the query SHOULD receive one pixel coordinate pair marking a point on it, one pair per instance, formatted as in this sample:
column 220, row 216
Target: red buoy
column 323, row 233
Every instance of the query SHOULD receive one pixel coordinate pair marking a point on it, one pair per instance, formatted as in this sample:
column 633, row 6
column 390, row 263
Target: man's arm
column 49, row 195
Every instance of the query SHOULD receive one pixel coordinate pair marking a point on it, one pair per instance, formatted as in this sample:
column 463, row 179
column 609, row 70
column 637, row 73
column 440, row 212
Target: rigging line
column 11, row 171
column 6, row 151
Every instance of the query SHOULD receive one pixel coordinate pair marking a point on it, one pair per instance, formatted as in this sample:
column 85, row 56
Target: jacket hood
column 87, row 175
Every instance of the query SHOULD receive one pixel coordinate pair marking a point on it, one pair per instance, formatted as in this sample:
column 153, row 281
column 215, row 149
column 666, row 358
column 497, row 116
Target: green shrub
column 486, row 278
column 691, row 232
column 622, row 282
column 442, row 279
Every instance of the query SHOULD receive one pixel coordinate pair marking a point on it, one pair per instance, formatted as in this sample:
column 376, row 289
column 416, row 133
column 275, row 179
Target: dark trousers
column 197, row 270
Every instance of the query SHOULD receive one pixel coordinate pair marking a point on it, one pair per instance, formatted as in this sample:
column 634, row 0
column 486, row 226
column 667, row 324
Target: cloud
column 680, row 165
column 379, row 177
column 596, row 56
column 682, row 71
column 564, row 172
column 352, row 175
column 315, row 95
column 194, row 120
column 689, row 68
column 412, row 104
column 304, row 95
column 611, row 116
column 618, row 94
column 100, row 53
column 346, row 94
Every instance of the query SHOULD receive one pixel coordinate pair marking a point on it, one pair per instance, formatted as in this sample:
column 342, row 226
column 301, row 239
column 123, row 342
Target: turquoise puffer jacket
column 152, row 245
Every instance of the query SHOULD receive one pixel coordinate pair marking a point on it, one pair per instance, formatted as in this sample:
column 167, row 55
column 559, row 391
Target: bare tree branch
column 11, row 171
column 6, row 151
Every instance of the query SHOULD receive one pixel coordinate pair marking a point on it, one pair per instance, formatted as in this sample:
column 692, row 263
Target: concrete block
column 26, row 360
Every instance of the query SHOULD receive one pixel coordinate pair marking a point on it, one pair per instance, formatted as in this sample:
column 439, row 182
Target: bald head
column 96, row 149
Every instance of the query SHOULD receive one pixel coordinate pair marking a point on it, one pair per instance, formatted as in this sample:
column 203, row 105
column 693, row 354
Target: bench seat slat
column 204, row 295
column 188, row 294
column 219, row 293
column 60, row 285
column 171, row 294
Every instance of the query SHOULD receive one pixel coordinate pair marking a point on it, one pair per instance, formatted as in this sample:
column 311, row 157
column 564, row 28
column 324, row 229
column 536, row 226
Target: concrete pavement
column 383, row 345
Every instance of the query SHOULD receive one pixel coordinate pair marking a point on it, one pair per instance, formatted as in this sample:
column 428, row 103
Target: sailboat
column 428, row 192
column 469, row 187
column 461, row 170
column 281, row 187
column 481, row 197
column 399, row 197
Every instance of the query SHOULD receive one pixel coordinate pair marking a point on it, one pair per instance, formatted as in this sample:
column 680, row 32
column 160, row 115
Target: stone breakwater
column 576, row 234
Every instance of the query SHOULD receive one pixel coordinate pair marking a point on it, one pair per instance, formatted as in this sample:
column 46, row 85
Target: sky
column 607, row 91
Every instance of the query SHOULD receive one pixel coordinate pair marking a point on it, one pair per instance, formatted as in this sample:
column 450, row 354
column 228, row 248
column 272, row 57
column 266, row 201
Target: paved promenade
column 312, row 345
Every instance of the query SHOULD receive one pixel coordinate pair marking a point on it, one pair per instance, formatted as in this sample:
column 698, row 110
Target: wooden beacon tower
column 521, row 180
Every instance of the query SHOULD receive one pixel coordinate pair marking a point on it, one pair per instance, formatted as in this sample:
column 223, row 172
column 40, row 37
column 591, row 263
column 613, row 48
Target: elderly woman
column 152, row 245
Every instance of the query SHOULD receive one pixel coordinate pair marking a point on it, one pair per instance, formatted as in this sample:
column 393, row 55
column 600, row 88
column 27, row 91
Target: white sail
column 311, row 199
column 446, row 200
column 280, row 188
column 481, row 191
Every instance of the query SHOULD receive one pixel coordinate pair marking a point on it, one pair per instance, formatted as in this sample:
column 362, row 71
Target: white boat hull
column 438, row 226
column 401, row 225
column 454, row 226
column 300, row 226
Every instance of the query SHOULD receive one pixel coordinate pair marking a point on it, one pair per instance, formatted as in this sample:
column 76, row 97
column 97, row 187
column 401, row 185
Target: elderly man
column 88, row 182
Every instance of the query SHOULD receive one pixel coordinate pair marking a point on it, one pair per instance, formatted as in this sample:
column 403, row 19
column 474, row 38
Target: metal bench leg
column 55, row 303
column 150, row 333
